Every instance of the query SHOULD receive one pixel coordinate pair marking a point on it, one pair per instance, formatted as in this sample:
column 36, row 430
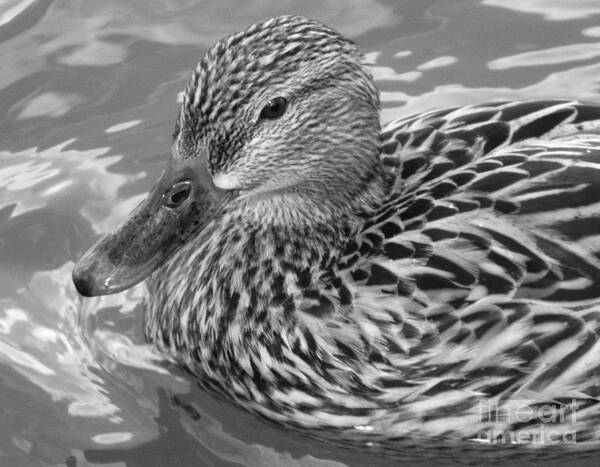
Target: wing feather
column 483, row 260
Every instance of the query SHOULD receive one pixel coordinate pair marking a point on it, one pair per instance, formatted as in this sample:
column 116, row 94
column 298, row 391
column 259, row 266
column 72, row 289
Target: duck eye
column 178, row 194
column 275, row 108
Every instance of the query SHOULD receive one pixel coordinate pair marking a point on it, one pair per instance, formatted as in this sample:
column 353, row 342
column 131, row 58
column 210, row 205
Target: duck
column 434, row 278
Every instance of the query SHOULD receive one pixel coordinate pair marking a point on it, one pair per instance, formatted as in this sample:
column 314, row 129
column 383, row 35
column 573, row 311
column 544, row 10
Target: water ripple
column 551, row 56
column 552, row 10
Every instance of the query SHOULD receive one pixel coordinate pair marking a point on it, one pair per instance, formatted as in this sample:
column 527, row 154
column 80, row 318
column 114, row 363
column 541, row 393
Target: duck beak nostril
column 178, row 193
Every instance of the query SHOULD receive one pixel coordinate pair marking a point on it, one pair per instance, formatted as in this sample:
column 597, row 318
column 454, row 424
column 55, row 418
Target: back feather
column 479, row 277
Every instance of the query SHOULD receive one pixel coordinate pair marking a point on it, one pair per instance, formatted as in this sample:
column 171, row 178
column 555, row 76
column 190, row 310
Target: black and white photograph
column 334, row 233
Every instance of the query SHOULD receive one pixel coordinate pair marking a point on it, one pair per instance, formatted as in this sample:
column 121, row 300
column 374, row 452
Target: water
column 88, row 95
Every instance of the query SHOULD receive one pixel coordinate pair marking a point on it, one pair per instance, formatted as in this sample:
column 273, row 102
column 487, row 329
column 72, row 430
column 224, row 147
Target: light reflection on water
column 552, row 56
column 552, row 10
column 88, row 93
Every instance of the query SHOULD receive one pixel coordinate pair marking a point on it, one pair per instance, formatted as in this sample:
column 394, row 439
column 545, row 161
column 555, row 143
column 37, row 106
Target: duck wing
column 477, row 281
column 501, row 199
column 480, row 273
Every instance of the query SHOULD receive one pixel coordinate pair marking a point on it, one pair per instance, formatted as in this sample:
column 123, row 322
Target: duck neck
column 235, row 288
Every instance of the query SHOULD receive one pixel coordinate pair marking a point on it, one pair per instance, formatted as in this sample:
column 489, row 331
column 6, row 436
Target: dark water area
column 88, row 97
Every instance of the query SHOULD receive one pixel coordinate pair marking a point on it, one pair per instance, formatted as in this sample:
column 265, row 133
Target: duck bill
column 148, row 237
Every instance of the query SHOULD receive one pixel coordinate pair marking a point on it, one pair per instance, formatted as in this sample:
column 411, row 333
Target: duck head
column 284, row 112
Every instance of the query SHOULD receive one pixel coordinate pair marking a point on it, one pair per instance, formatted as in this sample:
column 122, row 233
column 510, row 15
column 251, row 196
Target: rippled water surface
column 88, row 95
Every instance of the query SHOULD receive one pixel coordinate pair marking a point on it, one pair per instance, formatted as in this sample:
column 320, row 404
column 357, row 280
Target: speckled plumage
column 384, row 284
